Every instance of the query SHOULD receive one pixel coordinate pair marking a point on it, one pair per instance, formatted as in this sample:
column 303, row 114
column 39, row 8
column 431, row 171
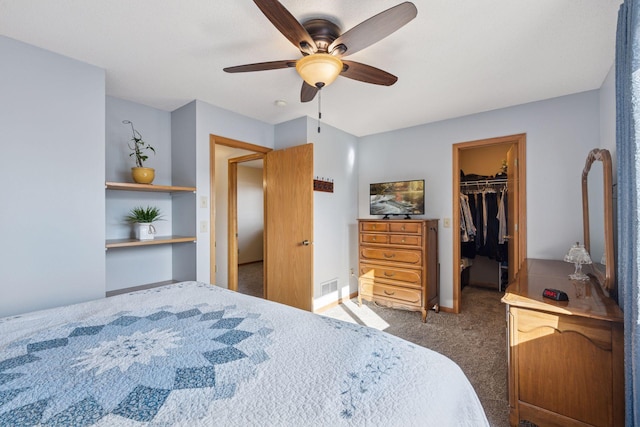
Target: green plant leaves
column 138, row 145
column 144, row 215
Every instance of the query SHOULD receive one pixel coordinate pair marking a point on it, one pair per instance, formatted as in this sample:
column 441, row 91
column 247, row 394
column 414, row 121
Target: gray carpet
column 475, row 339
column 250, row 279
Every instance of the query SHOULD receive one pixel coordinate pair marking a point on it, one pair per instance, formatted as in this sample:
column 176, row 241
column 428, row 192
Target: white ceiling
column 457, row 57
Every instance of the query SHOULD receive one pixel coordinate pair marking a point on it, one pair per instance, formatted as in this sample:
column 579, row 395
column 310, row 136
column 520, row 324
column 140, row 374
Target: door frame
column 233, row 143
column 232, row 217
column 519, row 140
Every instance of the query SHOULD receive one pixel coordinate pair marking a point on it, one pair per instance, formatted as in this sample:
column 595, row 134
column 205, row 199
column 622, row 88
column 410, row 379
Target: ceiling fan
column 323, row 45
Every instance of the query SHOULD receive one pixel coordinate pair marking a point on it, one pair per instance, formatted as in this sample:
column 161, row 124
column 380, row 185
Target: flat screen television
column 397, row 198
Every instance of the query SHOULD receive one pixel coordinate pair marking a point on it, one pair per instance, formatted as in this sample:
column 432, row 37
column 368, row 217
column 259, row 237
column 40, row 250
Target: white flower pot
column 145, row 231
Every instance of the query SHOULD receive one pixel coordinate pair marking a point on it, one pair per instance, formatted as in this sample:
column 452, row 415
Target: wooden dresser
column 565, row 357
column 398, row 263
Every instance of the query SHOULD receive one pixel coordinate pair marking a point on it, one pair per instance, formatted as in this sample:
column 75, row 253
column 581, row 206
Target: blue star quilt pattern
column 192, row 354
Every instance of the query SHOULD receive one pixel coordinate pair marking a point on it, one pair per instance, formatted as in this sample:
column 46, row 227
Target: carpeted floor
column 250, row 279
column 475, row 339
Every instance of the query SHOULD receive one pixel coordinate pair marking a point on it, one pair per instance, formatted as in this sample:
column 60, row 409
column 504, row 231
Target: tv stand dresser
column 565, row 358
column 398, row 263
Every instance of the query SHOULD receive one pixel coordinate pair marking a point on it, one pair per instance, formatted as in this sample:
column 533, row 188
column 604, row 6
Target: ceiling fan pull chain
column 319, row 108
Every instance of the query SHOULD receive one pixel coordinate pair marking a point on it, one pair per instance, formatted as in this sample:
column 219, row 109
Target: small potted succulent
column 141, row 174
column 143, row 219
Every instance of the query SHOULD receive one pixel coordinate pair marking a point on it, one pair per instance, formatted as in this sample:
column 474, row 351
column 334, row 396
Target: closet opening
column 489, row 213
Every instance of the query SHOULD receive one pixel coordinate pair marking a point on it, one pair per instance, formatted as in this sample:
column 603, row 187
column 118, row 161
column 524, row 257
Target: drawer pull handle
column 403, row 228
column 402, row 240
column 389, row 255
column 386, row 273
column 374, row 238
column 388, row 293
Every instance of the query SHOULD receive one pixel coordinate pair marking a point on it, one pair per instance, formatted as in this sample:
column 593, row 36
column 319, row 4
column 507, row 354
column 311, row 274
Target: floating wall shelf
column 129, row 186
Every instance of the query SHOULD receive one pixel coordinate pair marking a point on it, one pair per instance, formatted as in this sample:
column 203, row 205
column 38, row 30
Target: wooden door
column 512, row 211
column 288, row 230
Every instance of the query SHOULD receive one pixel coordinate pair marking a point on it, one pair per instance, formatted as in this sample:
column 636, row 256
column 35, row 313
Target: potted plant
column 141, row 174
column 143, row 219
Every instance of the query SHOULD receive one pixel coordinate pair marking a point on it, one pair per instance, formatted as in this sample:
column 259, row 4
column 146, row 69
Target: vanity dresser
column 565, row 358
column 398, row 263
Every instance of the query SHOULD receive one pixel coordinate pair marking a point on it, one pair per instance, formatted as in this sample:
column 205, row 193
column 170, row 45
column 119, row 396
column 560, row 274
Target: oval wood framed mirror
column 597, row 214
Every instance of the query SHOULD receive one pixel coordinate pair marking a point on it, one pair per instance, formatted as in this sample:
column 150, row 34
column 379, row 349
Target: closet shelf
column 160, row 240
column 483, row 182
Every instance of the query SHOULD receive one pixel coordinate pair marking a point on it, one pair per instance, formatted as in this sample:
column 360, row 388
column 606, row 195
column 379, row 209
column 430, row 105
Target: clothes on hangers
column 489, row 246
column 467, row 214
column 487, row 212
column 484, row 210
column 467, row 229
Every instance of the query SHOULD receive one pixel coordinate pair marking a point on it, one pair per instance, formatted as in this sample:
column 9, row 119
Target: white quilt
column 192, row 354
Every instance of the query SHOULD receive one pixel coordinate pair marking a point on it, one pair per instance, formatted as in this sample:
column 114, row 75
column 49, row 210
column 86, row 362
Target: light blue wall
column 335, row 240
column 181, row 137
column 560, row 133
column 52, row 157
column 128, row 267
column 52, row 119
column 291, row 133
column 608, row 139
column 608, row 117
column 212, row 120
column 335, row 214
column 155, row 127
column 183, row 154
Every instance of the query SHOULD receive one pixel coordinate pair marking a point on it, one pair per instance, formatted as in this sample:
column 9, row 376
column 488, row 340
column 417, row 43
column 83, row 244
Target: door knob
column 305, row 243
column 506, row 237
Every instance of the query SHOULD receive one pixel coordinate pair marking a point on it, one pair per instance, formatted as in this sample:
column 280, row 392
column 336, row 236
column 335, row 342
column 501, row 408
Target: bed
column 192, row 354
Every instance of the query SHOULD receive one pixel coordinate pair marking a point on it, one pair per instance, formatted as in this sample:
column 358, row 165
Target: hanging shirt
column 467, row 229
column 485, row 215
column 502, row 219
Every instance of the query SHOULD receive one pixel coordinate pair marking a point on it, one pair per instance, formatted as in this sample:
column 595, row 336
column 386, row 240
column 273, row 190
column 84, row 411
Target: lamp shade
column 319, row 69
column 578, row 255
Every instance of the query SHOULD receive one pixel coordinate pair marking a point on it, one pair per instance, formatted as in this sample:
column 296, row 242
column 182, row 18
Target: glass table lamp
column 579, row 256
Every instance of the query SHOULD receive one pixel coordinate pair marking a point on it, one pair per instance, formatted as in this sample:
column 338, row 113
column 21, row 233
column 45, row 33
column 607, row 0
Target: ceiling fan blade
column 367, row 73
column 308, row 92
column 374, row 29
column 260, row 66
column 287, row 24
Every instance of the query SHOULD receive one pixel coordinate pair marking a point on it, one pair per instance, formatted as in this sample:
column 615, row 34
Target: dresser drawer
column 401, row 239
column 391, row 275
column 578, row 351
column 403, row 256
column 407, row 296
column 374, row 226
column 534, row 324
column 405, row 227
column 374, row 238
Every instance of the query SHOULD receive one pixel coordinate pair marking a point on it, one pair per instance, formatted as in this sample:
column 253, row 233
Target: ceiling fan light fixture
column 319, row 69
